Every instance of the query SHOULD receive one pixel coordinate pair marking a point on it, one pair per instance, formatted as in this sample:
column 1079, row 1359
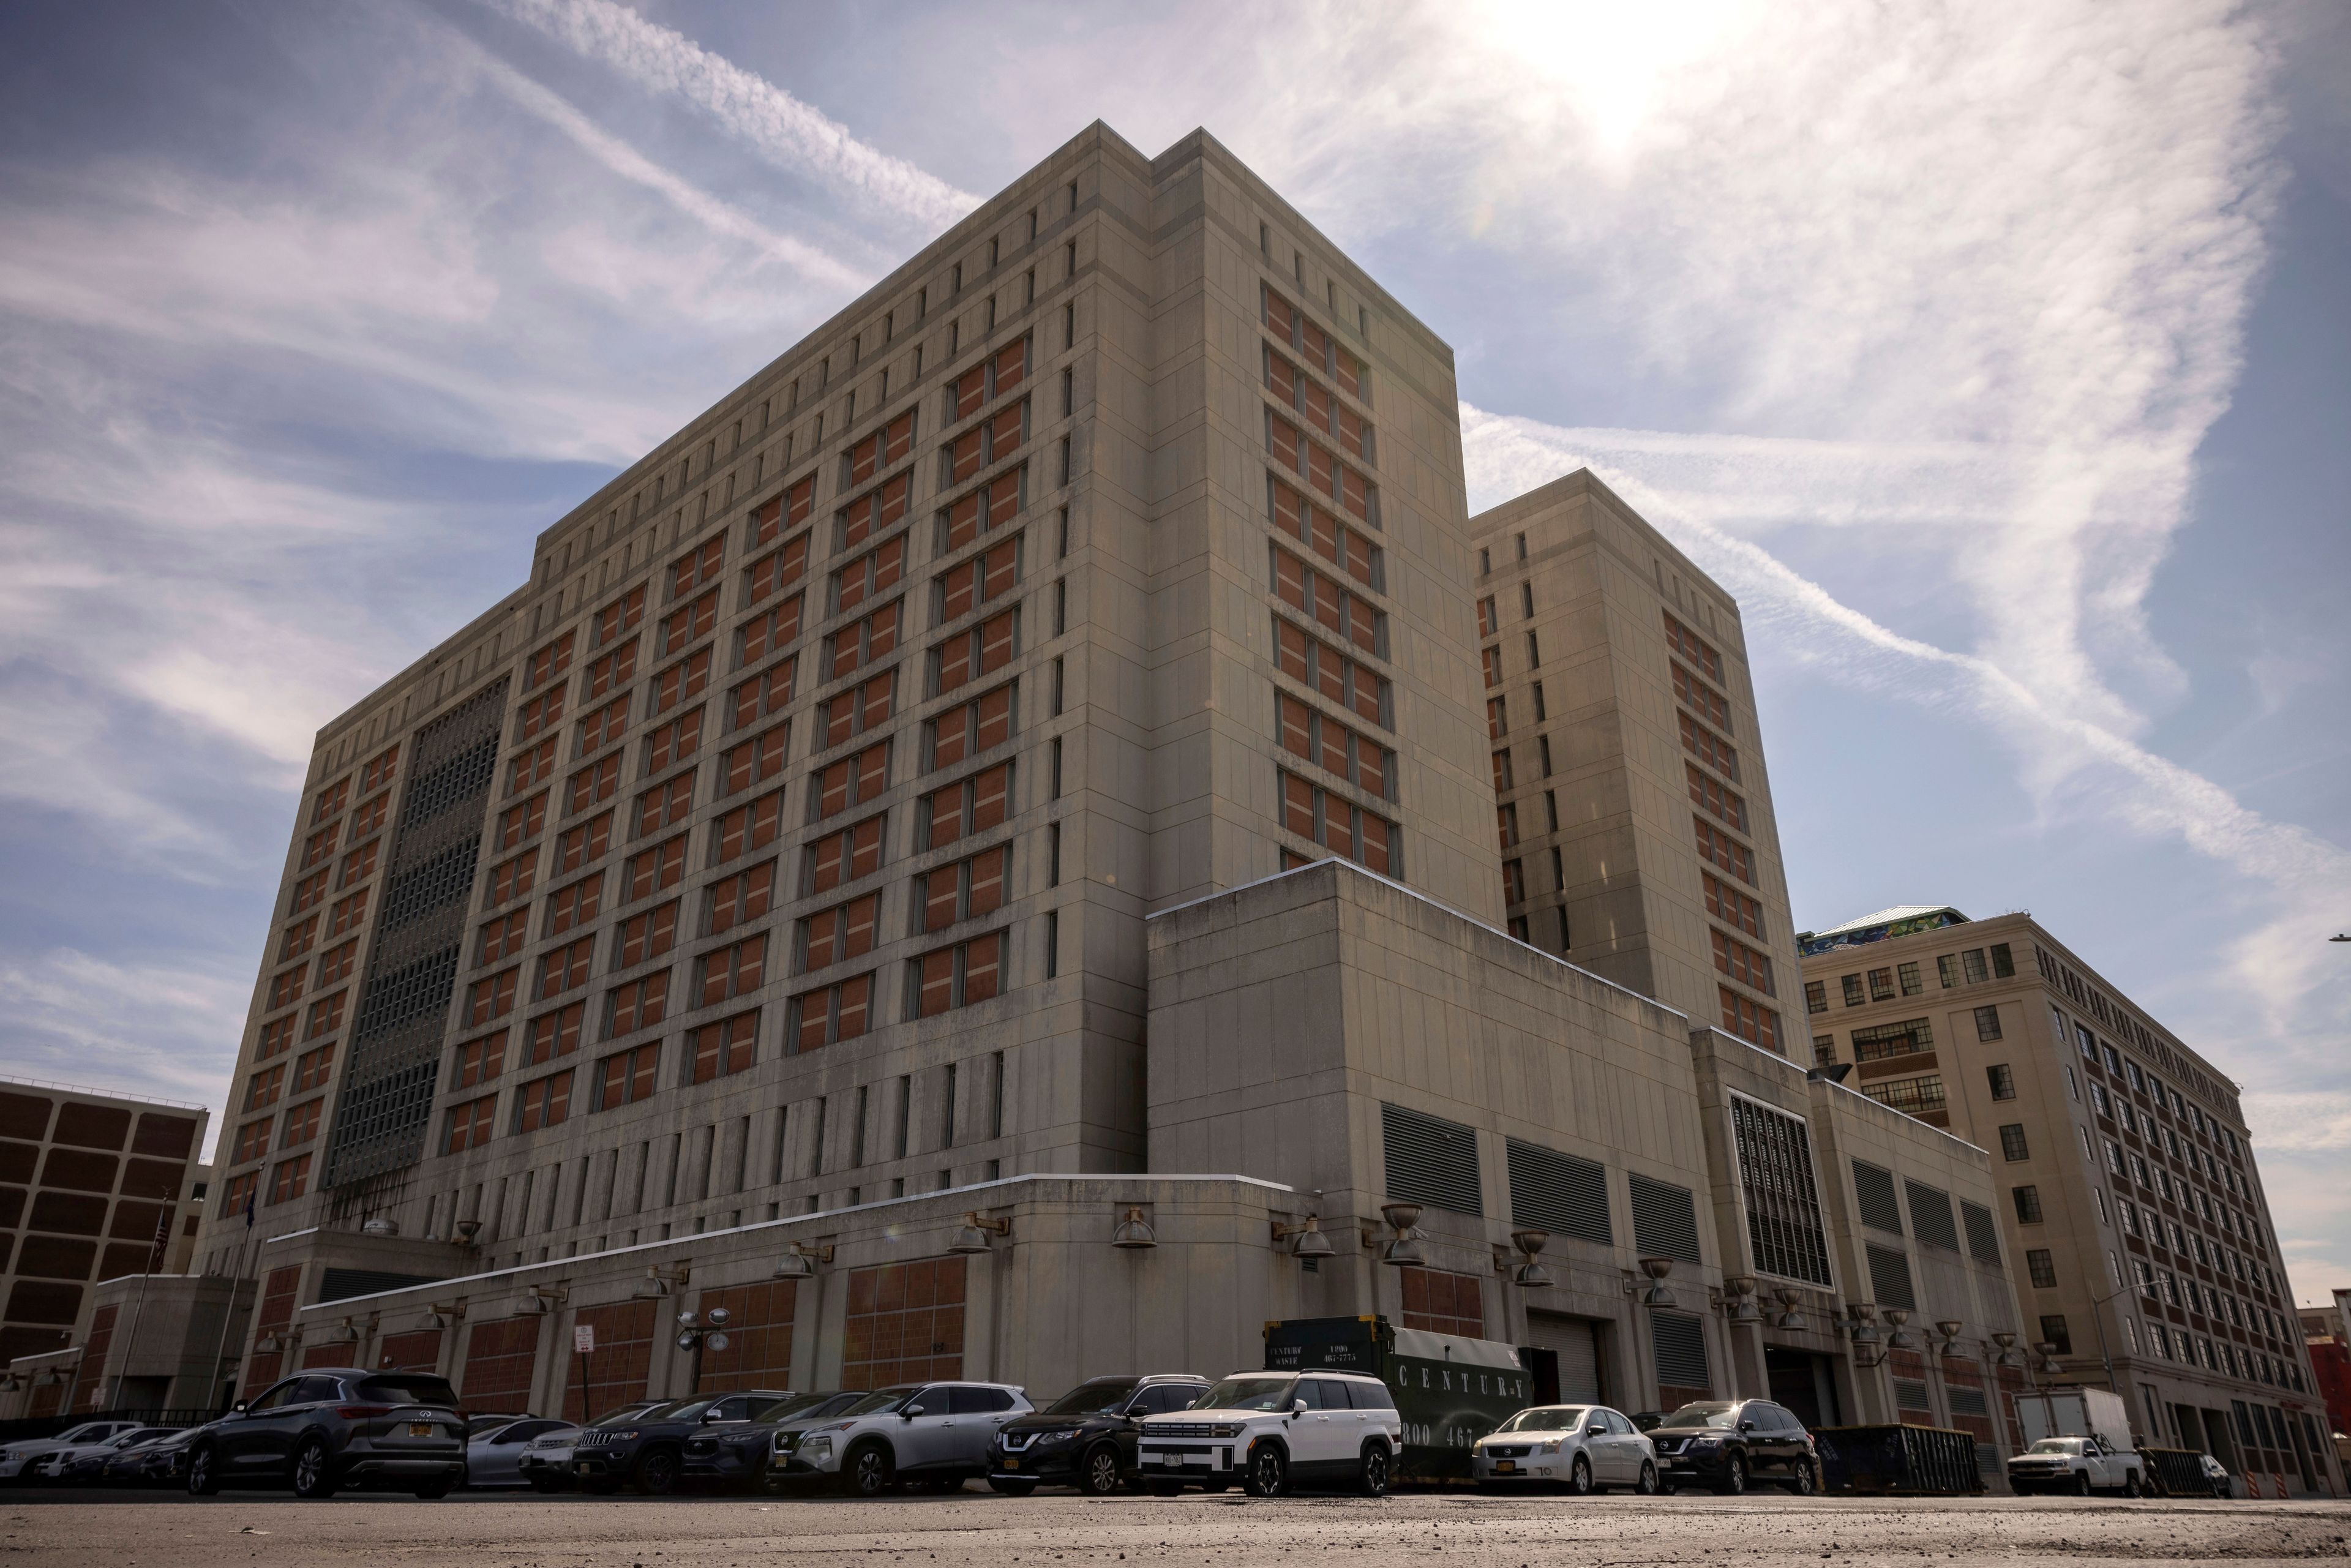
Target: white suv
column 1274, row 1431
column 934, row 1433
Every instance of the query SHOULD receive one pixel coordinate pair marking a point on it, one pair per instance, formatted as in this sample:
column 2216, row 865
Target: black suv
column 332, row 1427
column 648, row 1450
column 738, row 1456
column 1086, row 1437
column 1725, row 1444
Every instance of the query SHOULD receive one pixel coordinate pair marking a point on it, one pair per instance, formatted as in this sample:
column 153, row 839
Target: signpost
column 583, row 1343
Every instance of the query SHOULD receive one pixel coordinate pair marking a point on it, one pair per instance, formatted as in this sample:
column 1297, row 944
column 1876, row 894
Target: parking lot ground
column 974, row 1530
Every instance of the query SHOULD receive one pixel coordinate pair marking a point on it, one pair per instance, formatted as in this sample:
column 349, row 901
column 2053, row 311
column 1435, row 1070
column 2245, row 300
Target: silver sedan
column 1581, row 1448
column 493, row 1455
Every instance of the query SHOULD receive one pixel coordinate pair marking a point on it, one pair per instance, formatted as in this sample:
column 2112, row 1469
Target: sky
column 1997, row 358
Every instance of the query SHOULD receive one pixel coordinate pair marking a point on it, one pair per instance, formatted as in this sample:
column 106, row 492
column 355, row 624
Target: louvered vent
column 1430, row 1160
column 1559, row 1192
column 1931, row 1215
column 1889, row 1277
column 1681, row 1351
column 1983, row 1234
column 1665, row 1220
column 1873, row 1188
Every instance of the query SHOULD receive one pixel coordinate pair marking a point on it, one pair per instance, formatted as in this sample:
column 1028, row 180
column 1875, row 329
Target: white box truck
column 2077, row 1440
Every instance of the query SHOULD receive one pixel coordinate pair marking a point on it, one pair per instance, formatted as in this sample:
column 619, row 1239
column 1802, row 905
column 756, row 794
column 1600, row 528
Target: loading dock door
column 1576, row 1342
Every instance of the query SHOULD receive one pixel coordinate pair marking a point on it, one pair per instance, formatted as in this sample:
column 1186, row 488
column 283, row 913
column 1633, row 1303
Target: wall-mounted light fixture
column 801, row 1259
column 1739, row 1291
column 1656, row 1268
column 1307, row 1243
column 1531, row 1274
column 541, row 1300
column 466, row 1230
column 1402, row 1250
column 1134, row 1231
column 444, row 1315
column 1791, row 1308
column 973, row 1237
column 656, row 1285
column 1901, row 1338
column 2008, row 1355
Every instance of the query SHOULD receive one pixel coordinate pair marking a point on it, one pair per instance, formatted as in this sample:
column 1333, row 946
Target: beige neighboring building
column 1634, row 811
column 94, row 1186
column 2132, row 1201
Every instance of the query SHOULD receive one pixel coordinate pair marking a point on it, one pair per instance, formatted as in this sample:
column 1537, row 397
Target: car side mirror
column 911, row 1411
column 1595, row 1430
column 237, row 1408
column 1298, row 1407
column 1747, row 1426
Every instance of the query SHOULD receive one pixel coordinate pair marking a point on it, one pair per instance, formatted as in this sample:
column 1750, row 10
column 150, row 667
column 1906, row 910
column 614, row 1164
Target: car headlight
column 1232, row 1430
column 817, row 1447
column 1705, row 1442
column 1550, row 1447
column 1063, row 1436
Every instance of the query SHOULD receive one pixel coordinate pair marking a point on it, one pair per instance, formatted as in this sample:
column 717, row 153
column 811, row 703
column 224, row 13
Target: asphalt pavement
column 977, row 1530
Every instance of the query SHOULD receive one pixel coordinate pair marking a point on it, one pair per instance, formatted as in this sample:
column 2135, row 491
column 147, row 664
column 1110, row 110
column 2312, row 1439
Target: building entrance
column 1802, row 1382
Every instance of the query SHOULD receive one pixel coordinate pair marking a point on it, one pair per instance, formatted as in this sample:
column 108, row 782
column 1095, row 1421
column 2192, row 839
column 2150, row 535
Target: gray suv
column 335, row 1426
column 937, row 1433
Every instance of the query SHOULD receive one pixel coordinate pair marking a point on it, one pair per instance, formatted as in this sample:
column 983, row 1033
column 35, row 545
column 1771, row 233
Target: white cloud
column 780, row 128
column 153, row 1029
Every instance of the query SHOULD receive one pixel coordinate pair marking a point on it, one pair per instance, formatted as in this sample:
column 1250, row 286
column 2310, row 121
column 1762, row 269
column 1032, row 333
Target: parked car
column 1086, row 1437
column 645, row 1451
column 494, row 1453
column 1725, row 1444
column 151, row 1464
column 936, row 1434
column 545, row 1461
column 1583, row 1448
column 80, row 1465
column 334, row 1426
column 2076, row 1465
column 2217, row 1476
column 737, row 1456
column 35, row 1452
column 1649, row 1420
column 1274, row 1431
column 480, row 1421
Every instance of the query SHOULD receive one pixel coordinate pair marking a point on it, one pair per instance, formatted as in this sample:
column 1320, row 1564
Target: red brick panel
column 1442, row 1302
column 416, row 1351
column 622, row 1360
column 759, row 1352
column 500, row 1355
column 277, row 1315
column 905, row 1323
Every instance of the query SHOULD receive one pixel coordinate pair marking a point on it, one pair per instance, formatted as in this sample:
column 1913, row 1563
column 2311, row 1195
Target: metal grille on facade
column 1665, row 1220
column 1783, row 1206
column 1560, row 1193
column 1889, row 1277
column 1576, row 1342
column 1984, row 1232
column 1873, row 1190
column 1430, row 1160
column 1931, row 1215
column 393, row 1065
column 1681, row 1351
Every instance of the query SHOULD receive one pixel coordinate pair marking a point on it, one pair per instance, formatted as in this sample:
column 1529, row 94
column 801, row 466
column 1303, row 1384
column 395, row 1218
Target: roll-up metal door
column 1576, row 1342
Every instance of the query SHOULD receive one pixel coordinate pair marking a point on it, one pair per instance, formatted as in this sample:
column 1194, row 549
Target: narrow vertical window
column 1053, row 942
column 1062, row 550
column 1061, row 607
column 1055, row 793
column 1058, row 675
column 1053, row 855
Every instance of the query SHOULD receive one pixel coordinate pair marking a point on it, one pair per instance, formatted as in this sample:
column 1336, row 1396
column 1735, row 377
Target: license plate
column 1174, row 1461
column 421, row 1429
column 1012, row 1464
column 1506, row 1466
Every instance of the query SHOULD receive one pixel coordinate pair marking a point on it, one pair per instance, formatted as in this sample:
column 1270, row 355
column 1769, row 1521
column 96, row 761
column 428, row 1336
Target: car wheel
column 1734, row 1476
column 1269, row 1472
column 203, row 1473
column 1648, row 1485
column 432, row 1492
column 2082, row 1484
column 868, row 1472
column 1098, row 1477
column 1372, row 1474
column 1010, row 1489
column 2130, row 1485
column 314, row 1470
column 1579, row 1477
column 656, row 1473
column 1803, row 1483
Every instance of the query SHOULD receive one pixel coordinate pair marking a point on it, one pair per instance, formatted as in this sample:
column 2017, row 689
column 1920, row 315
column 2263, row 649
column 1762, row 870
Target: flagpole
column 138, row 1310
column 228, row 1308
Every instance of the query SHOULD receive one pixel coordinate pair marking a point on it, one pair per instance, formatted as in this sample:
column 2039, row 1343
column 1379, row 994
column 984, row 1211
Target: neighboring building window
column 1816, row 996
column 1881, row 985
column 2053, row 1333
column 2003, row 1081
column 2003, row 966
column 1823, row 1051
column 1851, row 984
column 1909, row 1037
column 2042, row 1268
column 2028, row 1205
column 2011, row 1142
column 1971, row 963
column 1908, row 974
column 1911, row 1096
column 1988, row 1023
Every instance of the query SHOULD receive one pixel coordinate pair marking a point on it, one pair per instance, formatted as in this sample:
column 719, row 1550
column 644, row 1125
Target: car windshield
column 1549, row 1418
column 2056, row 1446
column 785, row 1410
column 881, row 1401
column 97, row 1431
column 407, row 1388
column 658, row 1412
column 143, row 1434
column 1247, row 1393
column 1704, row 1413
column 1102, row 1397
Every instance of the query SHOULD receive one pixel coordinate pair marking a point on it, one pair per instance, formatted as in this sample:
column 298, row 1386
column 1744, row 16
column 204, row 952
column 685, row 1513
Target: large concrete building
column 1632, row 808
column 980, row 843
column 2150, row 1263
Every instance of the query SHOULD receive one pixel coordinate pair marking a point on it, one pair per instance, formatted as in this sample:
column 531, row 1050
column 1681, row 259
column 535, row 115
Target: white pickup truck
column 2078, row 1440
